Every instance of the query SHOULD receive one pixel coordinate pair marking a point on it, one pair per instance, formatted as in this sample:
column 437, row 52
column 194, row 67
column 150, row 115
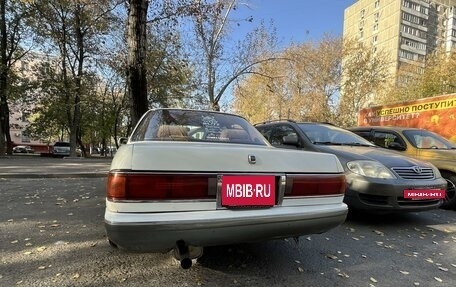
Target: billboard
column 437, row 114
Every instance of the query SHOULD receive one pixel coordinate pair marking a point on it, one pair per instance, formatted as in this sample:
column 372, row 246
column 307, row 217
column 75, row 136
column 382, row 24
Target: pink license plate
column 248, row 190
column 418, row 194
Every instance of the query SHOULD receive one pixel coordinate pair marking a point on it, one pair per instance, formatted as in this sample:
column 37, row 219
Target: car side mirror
column 396, row 146
column 290, row 140
column 123, row 141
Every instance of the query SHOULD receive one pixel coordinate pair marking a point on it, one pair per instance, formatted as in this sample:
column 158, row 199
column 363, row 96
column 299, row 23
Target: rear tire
column 450, row 199
column 113, row 245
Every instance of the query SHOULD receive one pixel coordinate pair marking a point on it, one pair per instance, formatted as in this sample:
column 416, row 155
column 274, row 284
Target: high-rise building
column 407, row 30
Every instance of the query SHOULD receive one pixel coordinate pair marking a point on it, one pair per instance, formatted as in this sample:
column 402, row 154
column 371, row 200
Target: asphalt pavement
column 35, row 166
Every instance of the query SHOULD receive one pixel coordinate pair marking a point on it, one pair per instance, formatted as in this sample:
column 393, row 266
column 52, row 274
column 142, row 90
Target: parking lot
column 52, row 234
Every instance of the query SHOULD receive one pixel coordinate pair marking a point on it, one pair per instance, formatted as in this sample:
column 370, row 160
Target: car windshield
column 193, row 125
column 423, row 139
column 331, row 135
column 66, row 144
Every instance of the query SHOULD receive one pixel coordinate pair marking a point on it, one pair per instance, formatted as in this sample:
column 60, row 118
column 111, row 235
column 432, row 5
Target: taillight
column 315, row 184
column 123, row 186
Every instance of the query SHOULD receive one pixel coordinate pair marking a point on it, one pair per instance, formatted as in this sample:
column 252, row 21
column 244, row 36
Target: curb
column 54, row 175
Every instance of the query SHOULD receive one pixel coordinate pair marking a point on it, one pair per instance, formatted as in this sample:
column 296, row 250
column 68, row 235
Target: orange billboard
column 437, row 114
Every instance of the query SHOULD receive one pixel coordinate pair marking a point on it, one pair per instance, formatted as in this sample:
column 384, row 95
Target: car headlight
column 370, row 168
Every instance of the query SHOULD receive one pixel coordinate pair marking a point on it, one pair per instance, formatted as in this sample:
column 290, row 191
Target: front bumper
column 159, row 232
column 376, row 195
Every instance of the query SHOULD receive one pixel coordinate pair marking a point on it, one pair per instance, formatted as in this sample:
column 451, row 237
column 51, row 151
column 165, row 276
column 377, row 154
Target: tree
column 364, row 75
column 311, row 85
column 437, row 77
column 75, row 29
column 12, row 16
column 217, row 67
column 300, row 87
column 136, row 61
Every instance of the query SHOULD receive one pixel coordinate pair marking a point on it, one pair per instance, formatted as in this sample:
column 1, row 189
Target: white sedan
column 186, row 179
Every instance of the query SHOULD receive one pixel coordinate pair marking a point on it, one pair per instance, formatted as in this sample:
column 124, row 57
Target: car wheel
column 450, row 199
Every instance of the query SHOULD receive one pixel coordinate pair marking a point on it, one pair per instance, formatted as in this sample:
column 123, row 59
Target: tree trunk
column 76, row 120
column 136, row 69
column 4, row 114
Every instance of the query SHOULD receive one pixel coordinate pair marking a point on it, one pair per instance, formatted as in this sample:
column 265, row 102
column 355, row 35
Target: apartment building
column 407, row 30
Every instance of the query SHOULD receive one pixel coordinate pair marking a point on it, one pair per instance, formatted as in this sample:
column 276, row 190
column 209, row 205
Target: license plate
column 248, row 191
column 417, row 194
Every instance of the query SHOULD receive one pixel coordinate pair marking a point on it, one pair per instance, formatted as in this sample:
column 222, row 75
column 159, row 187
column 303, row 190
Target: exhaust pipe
column 182, row 254
column 185, row 253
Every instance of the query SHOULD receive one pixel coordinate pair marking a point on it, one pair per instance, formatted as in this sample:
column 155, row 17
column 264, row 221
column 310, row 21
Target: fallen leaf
column 438, row 279
column 76, row 276
column 379, row 232
column 373, row 279
column 297, row 261
column 41, row 267
column 343, row 274
column 416, row 283
column 331, row 256
column 443, row 269
column 354, row 238
column 430, row 260
column 14, row 241
column 41, row 249
column 454, row 265
column 300, row 269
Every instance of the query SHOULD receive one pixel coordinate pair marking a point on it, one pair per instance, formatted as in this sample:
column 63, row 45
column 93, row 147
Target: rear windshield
column 192, row 125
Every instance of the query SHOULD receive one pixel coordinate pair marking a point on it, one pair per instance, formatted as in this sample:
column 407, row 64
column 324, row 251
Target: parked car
column 421, row 144
column 61, row 149
column 378, row 180
column 186, row 179
column 23, row 149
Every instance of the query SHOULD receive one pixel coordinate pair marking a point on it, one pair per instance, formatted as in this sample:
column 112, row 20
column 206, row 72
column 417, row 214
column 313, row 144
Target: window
column 413, row 31
column 414, row 19
column 385, row 139
column 375, row 27
column 281, row 131
column 362, row 13
column 415, row 6
column 377, row 3
column 413, row 44
column 376, row 16
column 25, row 138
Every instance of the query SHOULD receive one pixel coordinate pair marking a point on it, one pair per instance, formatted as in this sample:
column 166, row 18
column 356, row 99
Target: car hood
column 387, row 158
column 216, row 157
